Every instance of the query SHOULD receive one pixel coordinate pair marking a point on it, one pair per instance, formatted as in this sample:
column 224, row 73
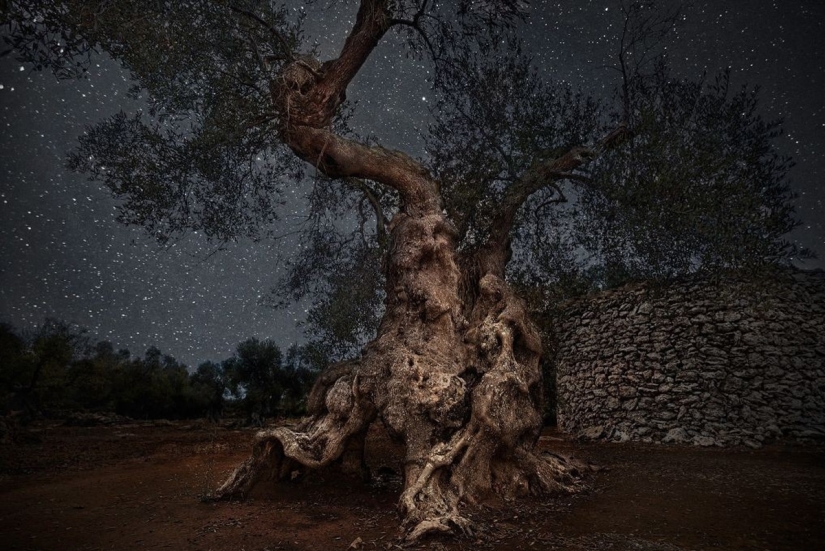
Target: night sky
column 63, row 255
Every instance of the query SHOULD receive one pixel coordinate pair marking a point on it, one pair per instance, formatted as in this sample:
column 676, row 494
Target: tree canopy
column 524, row 180
column 699, row 185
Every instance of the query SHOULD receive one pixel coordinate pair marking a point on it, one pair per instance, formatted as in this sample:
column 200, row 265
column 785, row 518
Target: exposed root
column 550, row 473
column 445, row 524
column 267, row 459
column 461, row 470
column 461, row 387
column 493, row 452
column 319, row 440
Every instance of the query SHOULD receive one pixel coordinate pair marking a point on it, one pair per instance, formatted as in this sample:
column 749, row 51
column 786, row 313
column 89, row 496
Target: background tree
column 209, row 386
column 301, row 368
column 254, row 375
column 91, row 379
column 54, row 371
column 37, row 365
column 264, row 382
column 12, row 369
column 453, row 370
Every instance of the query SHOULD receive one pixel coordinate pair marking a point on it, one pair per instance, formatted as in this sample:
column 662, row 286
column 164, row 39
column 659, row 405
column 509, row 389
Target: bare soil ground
column 137, row 486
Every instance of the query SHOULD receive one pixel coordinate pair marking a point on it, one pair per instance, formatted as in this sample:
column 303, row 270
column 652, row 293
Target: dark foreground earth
column 137, row 486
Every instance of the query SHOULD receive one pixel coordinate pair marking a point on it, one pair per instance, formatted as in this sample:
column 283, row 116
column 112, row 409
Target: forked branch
column 541, row 175
column 308, row 98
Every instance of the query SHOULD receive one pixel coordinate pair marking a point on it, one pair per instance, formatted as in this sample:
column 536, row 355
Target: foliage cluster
column 680, row 175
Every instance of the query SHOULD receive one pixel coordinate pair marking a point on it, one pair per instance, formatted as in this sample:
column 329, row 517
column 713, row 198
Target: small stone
column 705, row 441
column 675, row 436
column 621, row 436
column 626, row 391
column 592, row 433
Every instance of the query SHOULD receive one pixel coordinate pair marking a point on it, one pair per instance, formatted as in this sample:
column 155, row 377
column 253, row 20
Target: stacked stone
column 738, row 360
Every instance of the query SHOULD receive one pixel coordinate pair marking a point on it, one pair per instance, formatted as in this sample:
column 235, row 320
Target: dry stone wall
column 733, row 361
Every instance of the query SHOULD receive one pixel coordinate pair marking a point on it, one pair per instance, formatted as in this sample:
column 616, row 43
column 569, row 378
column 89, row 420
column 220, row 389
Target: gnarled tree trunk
column 454, row 374
column 454, row 371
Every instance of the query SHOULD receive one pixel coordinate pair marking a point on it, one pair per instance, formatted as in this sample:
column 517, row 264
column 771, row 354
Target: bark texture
column 454, row 374
column 454, row 370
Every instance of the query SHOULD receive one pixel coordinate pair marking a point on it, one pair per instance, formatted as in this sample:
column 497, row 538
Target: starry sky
column 63, row 255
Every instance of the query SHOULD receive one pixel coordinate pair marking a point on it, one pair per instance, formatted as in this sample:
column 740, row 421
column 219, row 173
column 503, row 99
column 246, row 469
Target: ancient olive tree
column 239, row 109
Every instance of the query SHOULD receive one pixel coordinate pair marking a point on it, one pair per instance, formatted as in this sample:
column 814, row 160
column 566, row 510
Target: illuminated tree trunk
column 454, row 370
column 453, row 373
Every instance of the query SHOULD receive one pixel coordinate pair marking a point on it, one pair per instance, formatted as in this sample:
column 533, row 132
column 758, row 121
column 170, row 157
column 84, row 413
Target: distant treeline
column 56, row 369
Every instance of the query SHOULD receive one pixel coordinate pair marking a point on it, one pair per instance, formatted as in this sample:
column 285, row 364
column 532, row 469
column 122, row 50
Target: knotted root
column 317, row 442
column 464, row 395
column 493, row 452
column 474, row 464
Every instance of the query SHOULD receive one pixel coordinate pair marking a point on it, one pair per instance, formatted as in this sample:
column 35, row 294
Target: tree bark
column 454, row 370
column 453, row 373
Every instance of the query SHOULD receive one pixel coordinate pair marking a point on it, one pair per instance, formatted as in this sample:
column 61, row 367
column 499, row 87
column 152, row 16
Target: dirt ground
column 137, row 486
